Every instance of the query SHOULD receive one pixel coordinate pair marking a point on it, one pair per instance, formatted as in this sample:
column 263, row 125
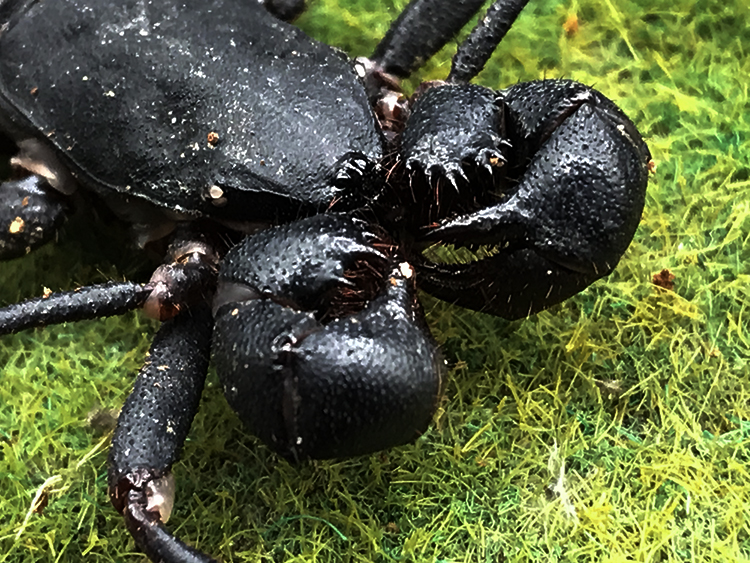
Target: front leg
column 319, row 341
column 420, row 31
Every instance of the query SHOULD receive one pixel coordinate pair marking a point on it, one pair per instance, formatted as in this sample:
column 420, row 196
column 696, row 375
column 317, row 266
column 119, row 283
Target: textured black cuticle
column 157, row 415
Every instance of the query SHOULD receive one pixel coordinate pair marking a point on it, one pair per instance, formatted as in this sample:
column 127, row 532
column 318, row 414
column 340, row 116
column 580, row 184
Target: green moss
column 638, row 396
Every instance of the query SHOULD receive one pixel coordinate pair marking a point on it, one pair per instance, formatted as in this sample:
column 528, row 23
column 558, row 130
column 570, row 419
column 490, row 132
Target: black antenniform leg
column 477, row 49
column 316, row 383
column 458, row 126
column 420, row 31
column 188, row 278
column 31, row 212
column 93, row 302
column 151, row 431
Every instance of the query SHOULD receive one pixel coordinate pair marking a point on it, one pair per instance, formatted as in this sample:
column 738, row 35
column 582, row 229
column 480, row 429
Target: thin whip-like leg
column 187, row 278
column 420, row 31
column 477, row 49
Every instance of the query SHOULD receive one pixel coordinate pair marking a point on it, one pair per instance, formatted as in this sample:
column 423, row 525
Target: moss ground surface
column 613, row 428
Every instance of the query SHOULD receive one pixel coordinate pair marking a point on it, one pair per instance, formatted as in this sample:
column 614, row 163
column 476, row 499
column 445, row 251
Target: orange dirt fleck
column 664, row 279
column 392, row 528
column 571, row 25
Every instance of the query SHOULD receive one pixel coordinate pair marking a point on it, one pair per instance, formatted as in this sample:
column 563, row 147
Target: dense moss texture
column 615, row 427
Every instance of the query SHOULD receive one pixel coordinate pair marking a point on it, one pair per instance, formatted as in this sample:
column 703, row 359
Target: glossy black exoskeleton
column 196, row 121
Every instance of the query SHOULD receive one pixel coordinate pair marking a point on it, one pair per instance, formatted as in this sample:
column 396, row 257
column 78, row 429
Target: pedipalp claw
column 314, row 384
column 582, row 172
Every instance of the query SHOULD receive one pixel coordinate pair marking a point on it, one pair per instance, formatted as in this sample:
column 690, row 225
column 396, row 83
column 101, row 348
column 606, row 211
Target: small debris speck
column 16, row 226
column 216, row 195
column 664, row 279
column 571, row 25
column 406, row 270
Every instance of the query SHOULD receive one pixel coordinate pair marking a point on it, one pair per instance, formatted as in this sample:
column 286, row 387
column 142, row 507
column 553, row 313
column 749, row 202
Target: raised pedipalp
column 312, row 384
column 582, row 170
column 452, row 127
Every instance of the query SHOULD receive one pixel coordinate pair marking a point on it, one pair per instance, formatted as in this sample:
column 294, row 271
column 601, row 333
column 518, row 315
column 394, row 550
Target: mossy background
column 636, row 395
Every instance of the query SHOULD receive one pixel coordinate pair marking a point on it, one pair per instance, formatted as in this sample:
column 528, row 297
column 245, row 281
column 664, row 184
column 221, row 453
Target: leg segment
column 91, row 302
column 421, row 31
column 477, row 49
column 188, row 278
column 455, row 150
column 454, row 126
column 311, row 387
column 31, row 212
column 151, row 431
